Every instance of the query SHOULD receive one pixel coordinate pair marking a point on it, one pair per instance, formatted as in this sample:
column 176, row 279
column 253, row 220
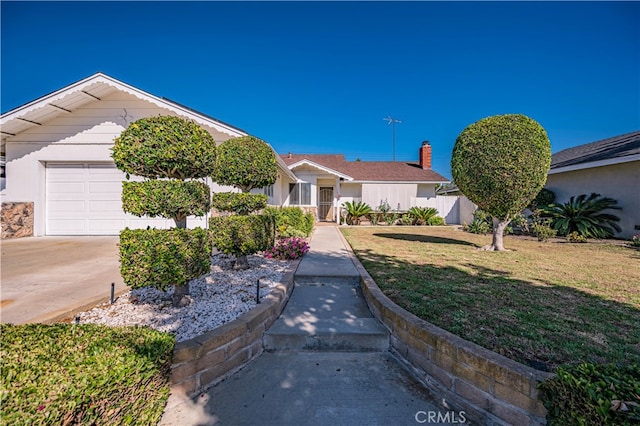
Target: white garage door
column 84, row 199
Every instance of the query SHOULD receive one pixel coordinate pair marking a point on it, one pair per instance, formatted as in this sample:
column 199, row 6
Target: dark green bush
column 584, row 215
column 589, row 394
column 166, row 198
column 482, row 223
column 83, row 374
column 543, row 199
column 356, row 210
column 422, row 215
column 542, row 229
column 245, row 162
column 239, row 202
column 163, row 257
column 291, row 221
column 242, row 235
column 436, row 221
column 165, row 146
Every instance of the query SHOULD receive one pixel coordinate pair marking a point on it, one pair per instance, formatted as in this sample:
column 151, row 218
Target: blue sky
column 320, row 77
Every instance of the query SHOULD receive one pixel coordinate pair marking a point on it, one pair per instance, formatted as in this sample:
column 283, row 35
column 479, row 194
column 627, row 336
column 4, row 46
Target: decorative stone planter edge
column 206, row 360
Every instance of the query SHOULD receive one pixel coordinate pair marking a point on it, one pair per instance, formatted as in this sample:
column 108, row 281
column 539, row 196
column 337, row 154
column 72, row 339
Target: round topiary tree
column 501, row 163
column 246, row 163
column 172, row 149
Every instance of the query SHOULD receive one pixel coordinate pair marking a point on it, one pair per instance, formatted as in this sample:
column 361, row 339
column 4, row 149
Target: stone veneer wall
column 489, row 387
column 17, row 219
column 204, row 361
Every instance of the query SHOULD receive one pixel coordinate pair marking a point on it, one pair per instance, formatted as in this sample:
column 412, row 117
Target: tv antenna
column 393, row 121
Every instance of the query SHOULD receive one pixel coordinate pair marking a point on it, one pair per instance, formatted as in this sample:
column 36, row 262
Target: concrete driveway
column 49, row 279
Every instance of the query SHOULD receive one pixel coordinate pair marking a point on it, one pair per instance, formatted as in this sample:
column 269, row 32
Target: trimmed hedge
column 166, row 198
column 291, row 221
column 239, row 202
column 163, row 257
column 242, row 235
column 589, row 394
column 245, row 162
column 83, row 374
column 165, row 146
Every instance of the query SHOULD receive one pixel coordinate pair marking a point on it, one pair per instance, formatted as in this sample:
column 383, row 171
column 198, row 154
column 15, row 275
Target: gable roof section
column 90, row 89
column 368, row 171
column 615, row 150
column 94, row 88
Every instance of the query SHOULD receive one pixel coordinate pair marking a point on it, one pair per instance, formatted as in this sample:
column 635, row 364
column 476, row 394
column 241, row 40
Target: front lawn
column 542, row 304
column 65, row 374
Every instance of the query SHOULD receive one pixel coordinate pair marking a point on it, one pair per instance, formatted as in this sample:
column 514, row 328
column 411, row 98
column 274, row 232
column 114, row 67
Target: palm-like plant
column 356, row 210
column 584, row 215
column 422, row 214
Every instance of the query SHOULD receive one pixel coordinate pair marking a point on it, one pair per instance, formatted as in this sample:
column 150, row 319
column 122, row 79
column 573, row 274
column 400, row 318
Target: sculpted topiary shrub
column 501, row 163
column 161, row 257
column 240, row 203
column 174, row 198
column 242, row 235
column 244, row 163
column 168, row 151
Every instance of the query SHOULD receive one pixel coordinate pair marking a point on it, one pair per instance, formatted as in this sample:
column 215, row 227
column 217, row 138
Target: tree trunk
column 181, row 295
column 497, row 243
column 181, row 221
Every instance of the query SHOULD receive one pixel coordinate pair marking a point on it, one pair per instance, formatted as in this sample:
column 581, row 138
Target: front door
column 325, row 205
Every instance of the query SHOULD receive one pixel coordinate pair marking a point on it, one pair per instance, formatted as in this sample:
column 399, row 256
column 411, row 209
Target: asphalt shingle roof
column 615, row 147
column 378, row 171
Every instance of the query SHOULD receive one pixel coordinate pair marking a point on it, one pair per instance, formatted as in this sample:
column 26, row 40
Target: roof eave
column 320, row 167
column 592, row 164
column 123, row 87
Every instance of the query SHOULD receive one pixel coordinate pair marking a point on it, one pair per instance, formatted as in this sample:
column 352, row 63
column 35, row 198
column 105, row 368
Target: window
column 299, row 194
column 268, row 191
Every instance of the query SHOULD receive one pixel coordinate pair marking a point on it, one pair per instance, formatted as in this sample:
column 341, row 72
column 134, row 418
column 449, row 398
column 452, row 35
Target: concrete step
column 326, row 317
column 308, row 333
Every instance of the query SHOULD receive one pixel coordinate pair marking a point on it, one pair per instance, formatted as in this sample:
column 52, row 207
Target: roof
column 366, row 171
column 617, row 149
column 91, row 89
column 95, row 88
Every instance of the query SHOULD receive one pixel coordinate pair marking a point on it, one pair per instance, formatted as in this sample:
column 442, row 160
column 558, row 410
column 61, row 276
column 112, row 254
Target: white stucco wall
column 620, row 182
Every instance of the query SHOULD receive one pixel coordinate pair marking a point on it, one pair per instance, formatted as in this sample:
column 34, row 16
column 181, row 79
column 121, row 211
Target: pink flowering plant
column 288, row 249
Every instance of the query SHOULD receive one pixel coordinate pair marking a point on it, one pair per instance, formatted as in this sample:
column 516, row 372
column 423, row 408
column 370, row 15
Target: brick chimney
column 425, row 155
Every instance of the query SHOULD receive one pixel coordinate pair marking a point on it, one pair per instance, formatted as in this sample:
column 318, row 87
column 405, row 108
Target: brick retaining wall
column 203, row 361
column 489, row 387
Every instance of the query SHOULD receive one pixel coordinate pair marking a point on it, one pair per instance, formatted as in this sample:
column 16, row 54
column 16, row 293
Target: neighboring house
column 609, row 167
column 60, row 178
column 327, row 181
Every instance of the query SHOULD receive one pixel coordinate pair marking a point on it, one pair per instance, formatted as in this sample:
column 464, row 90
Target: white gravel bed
column 216, row 298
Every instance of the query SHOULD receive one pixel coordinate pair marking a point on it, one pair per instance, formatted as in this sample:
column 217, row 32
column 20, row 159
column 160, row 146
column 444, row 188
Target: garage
column 60, row 177
column 84, row 199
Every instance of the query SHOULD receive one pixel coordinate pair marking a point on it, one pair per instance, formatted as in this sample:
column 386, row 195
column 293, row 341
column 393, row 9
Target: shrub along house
column 610, row 167
column 327, row 181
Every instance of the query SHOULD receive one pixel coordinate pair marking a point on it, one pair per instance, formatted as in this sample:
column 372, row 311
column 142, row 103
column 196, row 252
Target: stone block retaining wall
column 205, row 360
column 17, row 219
column 490, row 388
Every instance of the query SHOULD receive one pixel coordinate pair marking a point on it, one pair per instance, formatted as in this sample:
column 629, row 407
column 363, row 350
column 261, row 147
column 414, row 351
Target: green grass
column 541, row 304
column 83, row 374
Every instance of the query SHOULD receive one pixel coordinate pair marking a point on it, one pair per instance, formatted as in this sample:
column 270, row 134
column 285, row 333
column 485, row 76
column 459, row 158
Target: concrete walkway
column 326, row 361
